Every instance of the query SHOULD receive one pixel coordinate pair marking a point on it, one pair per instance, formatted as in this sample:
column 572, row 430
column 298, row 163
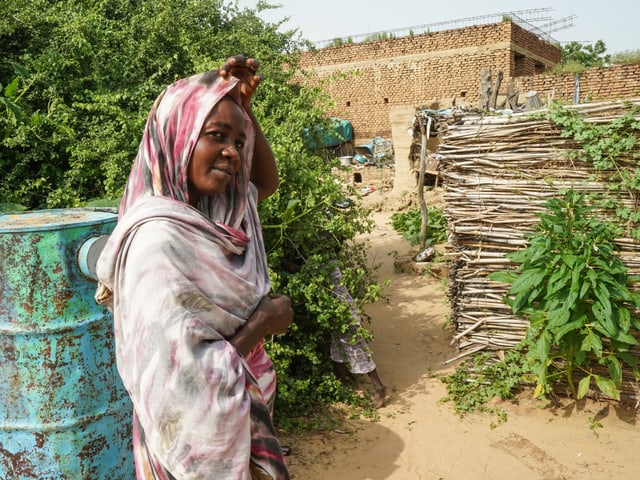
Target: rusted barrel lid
column 54, row 219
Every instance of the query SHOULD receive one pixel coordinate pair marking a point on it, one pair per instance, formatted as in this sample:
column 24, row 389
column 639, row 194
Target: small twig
column 465, row 354
column 467, row 331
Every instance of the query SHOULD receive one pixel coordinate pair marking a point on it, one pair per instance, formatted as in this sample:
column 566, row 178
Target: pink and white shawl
column 180, row 281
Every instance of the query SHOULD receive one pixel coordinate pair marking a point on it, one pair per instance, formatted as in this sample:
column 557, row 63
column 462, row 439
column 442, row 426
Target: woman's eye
column 239, row 145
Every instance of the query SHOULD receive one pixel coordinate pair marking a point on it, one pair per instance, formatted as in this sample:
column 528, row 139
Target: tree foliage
column 89, row 72
column 77, row 80
column 586, row 55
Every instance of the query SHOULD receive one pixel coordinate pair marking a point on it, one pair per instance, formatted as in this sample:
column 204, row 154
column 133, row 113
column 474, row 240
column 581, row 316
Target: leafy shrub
column 88, row 75
column 307, row 237
column 571, row 66
column 480, row 379
column 409, row 224
column 628, row 57
column 571, row 260
column 572, row 288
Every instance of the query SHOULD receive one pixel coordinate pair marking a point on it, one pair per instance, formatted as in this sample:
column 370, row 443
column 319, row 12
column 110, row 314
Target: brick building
column 425, row 70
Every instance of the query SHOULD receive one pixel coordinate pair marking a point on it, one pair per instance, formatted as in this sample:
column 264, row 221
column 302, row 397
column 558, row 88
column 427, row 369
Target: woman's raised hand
column 244, row 69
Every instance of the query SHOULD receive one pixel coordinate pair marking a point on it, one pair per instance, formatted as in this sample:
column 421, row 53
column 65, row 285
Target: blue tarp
column 339, row 131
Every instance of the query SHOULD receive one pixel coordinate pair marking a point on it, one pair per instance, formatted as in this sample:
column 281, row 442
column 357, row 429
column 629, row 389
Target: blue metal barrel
column 64, row 413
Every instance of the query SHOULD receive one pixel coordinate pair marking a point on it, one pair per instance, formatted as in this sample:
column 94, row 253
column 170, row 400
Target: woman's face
column 217, row 156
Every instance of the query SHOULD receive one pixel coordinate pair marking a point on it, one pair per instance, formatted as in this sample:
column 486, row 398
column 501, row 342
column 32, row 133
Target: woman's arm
column 264, row 173
column 272, row 317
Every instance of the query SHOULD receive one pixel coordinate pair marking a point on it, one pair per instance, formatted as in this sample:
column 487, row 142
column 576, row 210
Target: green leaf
column 605, row 324
column 505, row 276
column 11, row 106
column 602, row 294
column 520, row 301
column 579, row 357
column 576, row 282
column 569, row 260
column 622, row 316
column 583, row 386
column 630, row 360
column 519, row 256
column 311, row 200
column 534, row 294
column 573, row 326
column 292, row 205
column 584, row 289
column 559, row 317
column 592, row 343
column 615, row 369
column 608, row 387
column 11, row 89
column 625, row 338
column 559, row 280
column 543, row 346
column 528, row 280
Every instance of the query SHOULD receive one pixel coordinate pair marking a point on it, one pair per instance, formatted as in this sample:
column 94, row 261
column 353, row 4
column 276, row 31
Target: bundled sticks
column 498, row 172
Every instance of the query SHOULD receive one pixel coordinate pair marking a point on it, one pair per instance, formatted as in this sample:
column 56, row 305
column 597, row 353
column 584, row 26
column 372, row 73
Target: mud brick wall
column 617, row 82
column 426, row 70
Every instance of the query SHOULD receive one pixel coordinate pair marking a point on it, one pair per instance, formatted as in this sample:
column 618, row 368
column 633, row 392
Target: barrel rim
column 17, row 222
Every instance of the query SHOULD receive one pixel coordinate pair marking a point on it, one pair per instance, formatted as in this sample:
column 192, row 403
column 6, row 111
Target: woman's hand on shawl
column 279, row 311
column 244, row 69
column 272, row 316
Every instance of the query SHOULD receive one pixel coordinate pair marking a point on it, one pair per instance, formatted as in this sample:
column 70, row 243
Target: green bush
column 572, row 287
column 83, row 76
column 569, row 282
column 409, row 224
column 628, row 57
column 481, row 378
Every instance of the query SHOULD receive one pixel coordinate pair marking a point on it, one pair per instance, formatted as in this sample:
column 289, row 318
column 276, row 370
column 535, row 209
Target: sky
column 614, row 22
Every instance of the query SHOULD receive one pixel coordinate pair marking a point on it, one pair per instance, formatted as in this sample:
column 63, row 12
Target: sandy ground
column 417, row 437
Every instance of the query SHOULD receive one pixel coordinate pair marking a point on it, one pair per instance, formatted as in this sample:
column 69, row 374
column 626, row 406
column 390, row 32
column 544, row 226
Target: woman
column 186, row 277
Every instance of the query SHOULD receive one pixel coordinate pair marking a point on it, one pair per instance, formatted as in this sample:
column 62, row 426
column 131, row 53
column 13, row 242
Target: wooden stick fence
column 497, row 174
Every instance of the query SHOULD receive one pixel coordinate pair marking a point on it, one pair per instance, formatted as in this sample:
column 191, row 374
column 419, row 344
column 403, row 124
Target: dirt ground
column 419, row 437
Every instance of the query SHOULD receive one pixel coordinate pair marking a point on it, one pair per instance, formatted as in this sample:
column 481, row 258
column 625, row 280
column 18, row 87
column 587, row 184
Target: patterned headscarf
column 172, row 131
